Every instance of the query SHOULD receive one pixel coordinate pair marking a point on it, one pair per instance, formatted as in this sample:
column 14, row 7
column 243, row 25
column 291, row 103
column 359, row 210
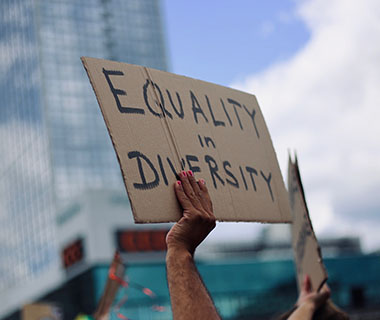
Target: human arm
column 309, row 302
column 114, row 281
column 189, row 296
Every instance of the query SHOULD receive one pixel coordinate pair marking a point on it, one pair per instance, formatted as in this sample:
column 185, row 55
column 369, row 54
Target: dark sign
column 141, row 240
column 72, row 253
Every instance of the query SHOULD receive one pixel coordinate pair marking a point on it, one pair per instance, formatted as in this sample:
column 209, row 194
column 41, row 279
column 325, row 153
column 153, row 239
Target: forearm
column 189, row 297
column 303, row 312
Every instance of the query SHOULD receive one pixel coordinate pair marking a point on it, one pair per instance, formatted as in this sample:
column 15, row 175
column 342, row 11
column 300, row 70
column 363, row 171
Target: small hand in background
column 314, row 299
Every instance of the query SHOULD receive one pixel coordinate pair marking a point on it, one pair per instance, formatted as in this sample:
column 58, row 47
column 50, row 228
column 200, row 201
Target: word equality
column 233, row 111
column 222, row 173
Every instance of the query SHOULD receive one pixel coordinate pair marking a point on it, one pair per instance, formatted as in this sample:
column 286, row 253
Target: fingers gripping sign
column 197, row 220
column 307, row 295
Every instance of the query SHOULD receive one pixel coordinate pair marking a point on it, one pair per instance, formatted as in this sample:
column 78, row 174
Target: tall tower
column 53, row 141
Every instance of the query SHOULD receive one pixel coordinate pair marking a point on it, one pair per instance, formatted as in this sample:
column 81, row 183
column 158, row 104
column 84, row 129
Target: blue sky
column 313, row 65
column 222, row 41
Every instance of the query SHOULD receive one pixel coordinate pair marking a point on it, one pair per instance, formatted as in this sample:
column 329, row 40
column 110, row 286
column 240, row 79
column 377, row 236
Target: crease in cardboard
column 229, row 188
column 175, row 146
column 164, row 120
column 130, row 83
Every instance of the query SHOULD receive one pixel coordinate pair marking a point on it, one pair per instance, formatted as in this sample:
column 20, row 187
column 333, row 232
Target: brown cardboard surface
column 306, row 250
column 161, row 122
column 38, row 311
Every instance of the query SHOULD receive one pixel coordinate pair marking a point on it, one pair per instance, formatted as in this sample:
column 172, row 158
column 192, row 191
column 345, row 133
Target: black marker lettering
column 235, row 103
column 242, row 175
column 160, row 104
column 233, row 183
column 301, row 242
column 162, row 170
column 252, row 171
column 190, row 158
column 179, row 113
column 172, row 168
column 118, row 92
column 200, row 140
column 196, row 107
column 252, row 115
column 268, row 181
column 293, row 189
column 213, row 170
column 225, row 111
column 215, row 122
column 208, row 140
column 144, row 184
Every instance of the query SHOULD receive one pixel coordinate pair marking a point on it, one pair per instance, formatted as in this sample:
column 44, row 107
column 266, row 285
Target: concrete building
column 53, row 142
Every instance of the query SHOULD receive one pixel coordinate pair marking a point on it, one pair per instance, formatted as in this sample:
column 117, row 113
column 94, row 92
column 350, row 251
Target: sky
column 314, row 66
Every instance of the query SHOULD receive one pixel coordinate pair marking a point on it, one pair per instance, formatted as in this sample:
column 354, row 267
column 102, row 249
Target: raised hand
column 198, row 219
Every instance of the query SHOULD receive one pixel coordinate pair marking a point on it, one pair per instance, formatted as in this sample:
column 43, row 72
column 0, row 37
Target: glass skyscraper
column 53, row 141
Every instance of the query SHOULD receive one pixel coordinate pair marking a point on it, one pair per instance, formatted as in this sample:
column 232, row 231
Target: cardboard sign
column 307, row 253
column 38, row 311
column 161, row 123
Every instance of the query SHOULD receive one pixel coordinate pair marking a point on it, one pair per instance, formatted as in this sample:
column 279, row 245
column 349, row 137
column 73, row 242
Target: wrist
column 308, row 306
column 178, row 253
column 180, row 247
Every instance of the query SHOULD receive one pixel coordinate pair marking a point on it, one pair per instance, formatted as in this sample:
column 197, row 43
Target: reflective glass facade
column 128, row 31
column 53, row 141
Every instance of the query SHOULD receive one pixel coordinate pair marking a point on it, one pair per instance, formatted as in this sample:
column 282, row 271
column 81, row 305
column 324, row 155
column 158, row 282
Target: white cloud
column 325, row 103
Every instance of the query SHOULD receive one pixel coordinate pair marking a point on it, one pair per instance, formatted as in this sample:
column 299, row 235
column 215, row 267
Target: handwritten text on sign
column 161, row 123
column 238, row 110
column 306, row 250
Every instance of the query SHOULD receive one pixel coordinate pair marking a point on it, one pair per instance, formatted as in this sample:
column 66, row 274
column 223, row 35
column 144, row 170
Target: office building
column 53, row 141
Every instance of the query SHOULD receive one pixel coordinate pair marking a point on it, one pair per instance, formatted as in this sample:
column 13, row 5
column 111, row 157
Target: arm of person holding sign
column 316, row 305
column 189, row 296
column 309, row 301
